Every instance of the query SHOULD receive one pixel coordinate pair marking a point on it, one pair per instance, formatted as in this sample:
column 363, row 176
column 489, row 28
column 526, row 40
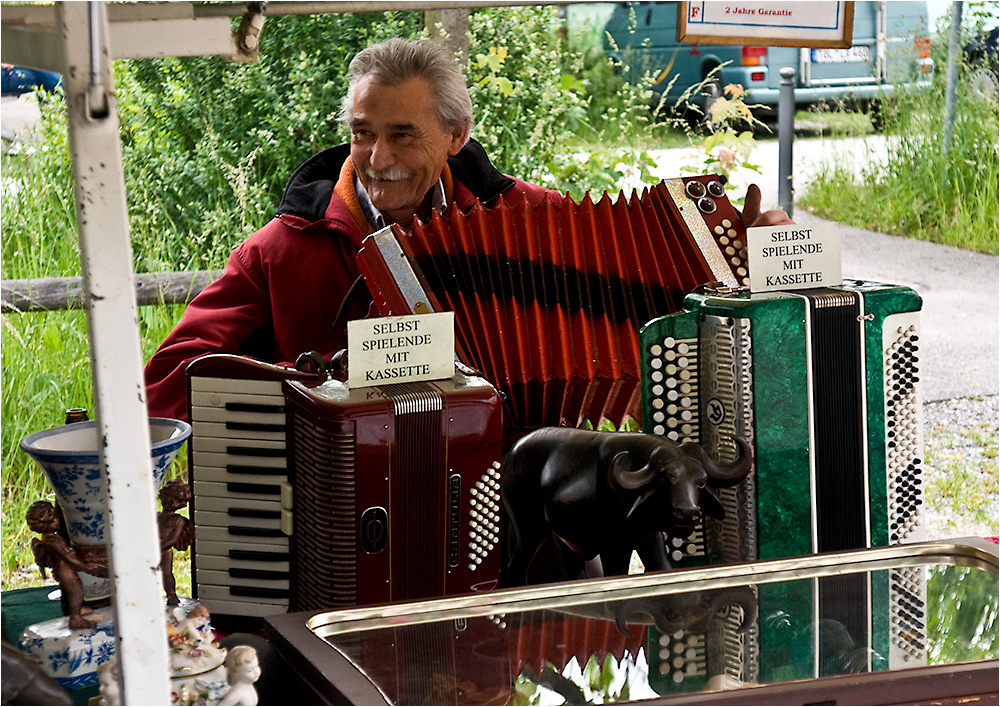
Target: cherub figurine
column 196, row 627
column 242, row 671
column 107, row 679
column 52, row 551
column 176, row 532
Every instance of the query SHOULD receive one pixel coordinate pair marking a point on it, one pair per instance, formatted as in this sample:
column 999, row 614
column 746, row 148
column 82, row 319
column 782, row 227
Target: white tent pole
column 116, row 357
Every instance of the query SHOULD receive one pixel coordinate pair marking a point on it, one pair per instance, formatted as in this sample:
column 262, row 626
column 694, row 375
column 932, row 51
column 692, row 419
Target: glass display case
column 890, row 625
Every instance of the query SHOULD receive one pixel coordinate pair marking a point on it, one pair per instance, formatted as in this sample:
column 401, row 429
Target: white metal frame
column 77, row 40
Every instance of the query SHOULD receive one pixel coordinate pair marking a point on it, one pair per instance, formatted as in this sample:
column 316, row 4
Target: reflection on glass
column 596, row 683
column 650, row 646
column 963, row 616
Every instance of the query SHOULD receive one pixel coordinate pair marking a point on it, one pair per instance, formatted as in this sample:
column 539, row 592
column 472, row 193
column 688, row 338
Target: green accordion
column 823, row 384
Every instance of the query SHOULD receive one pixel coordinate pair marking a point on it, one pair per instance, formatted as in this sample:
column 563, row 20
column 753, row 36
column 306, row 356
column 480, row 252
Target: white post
column 116, row 357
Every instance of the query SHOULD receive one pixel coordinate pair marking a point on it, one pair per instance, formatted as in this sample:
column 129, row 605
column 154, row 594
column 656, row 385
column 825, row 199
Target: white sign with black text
column 813, row 23
column 794, row 257
column 417, row 347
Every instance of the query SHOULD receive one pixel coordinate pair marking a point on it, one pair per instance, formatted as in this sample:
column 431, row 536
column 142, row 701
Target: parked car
column 18, row 80
column 891, row 47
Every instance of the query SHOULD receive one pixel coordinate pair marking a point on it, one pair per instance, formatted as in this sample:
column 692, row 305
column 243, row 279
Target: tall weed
column 923, row 190
column 46, row 369
column 38, row 219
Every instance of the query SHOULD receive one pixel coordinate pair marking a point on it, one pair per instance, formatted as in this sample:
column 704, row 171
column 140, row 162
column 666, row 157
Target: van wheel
column 983, row 83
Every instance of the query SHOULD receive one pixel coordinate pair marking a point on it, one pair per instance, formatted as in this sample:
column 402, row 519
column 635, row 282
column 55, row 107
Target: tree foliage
column 208, row 146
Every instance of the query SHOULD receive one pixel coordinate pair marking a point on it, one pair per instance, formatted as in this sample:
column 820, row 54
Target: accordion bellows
column 549, row 299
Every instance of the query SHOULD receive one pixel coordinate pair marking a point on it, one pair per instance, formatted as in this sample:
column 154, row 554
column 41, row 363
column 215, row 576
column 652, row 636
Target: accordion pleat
column 549, row 299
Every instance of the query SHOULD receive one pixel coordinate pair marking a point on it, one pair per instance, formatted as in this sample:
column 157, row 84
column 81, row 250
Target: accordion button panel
column 904, row 437
column 681, row 657
column 674, row 390
column 904, row 482
column 701, row 232
column 484, row 517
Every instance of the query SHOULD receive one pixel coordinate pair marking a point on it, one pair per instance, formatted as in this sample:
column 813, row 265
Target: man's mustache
column 387, row 175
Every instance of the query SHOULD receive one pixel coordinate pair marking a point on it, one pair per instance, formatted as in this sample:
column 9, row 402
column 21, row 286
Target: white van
column 891, row 48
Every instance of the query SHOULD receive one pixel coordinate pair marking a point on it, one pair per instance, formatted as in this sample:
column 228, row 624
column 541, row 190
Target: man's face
column 398, row 145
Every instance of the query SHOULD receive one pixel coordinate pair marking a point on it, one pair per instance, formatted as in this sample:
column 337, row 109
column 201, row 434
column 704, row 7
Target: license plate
column 841, row 56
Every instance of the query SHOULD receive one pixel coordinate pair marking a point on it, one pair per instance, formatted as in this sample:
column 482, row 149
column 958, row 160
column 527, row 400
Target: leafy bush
column 521, row 94
column 923, row 190
column 553, row 113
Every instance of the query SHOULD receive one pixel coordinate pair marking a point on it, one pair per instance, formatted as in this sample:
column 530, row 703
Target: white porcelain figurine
column 242, row 671
column 107, row 678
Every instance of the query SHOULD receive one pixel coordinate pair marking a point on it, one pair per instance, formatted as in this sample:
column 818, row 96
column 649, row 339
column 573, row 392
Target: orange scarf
column 344, row 188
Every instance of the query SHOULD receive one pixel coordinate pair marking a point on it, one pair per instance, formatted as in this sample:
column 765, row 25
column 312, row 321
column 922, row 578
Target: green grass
column 924, row 191
column 962, row 479
column 46, row 369
column 826, row 121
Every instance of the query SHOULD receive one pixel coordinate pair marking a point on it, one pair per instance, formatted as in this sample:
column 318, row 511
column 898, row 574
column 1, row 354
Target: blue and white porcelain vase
column 69, row 457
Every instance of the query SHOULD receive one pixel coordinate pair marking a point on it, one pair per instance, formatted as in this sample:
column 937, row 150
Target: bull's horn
column 731, row 473
column 742, row 597
column 627, row 614
column 630, row 480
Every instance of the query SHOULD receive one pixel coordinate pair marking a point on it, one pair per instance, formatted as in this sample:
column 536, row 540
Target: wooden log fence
column 57, row 293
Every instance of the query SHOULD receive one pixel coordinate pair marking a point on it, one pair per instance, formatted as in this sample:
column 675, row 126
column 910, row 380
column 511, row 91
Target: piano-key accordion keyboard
column 241, row 561
column 308, row 495
column 824, row 385
column 549, row 299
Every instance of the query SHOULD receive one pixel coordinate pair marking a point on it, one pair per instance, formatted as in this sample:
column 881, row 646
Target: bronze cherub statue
column 176, row 532
column 51, row 550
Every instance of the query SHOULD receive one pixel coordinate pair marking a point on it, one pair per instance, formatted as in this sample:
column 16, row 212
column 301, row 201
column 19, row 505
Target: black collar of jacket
column 311, row 185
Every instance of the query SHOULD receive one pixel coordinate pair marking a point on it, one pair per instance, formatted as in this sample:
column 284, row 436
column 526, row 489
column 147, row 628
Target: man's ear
column 459, row 136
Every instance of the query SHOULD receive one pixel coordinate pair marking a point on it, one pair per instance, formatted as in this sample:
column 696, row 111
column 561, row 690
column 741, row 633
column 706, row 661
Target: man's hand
column 753, row 217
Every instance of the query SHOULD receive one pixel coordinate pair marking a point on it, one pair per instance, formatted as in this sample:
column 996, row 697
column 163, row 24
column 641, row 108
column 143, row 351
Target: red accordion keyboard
column 548, row 300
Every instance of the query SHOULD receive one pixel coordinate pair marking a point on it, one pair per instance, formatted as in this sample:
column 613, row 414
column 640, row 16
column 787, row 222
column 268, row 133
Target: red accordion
column 548, row 300
column 310, row 495
column 396, row 491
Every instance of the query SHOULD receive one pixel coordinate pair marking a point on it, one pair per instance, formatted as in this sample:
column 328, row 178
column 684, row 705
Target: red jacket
column 282, row 287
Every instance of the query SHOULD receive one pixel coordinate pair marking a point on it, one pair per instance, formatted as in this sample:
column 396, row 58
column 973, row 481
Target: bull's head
column 690, row 611
column 681, row 474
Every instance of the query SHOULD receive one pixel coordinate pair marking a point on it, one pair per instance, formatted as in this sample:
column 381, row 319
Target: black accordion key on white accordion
column 241, row 561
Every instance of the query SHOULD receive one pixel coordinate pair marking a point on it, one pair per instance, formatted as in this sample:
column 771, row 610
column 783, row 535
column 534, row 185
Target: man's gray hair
column 396, row 60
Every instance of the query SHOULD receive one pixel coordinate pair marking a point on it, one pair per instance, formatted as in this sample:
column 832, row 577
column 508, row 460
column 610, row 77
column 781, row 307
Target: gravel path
column 960, row 451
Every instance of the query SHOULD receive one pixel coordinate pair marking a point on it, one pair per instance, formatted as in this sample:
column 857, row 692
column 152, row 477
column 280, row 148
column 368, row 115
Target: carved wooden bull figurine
column 571, row 495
